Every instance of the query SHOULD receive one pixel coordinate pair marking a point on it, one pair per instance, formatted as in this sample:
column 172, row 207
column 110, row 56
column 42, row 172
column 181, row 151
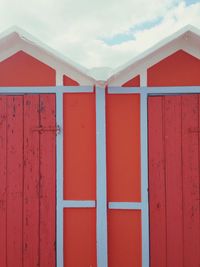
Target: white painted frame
column 144, row 92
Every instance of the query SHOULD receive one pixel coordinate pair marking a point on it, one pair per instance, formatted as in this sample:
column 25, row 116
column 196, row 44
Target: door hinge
column 41, row 129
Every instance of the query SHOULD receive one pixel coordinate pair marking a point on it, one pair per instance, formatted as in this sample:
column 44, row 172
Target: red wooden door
column 27, row 179
column 174, row 145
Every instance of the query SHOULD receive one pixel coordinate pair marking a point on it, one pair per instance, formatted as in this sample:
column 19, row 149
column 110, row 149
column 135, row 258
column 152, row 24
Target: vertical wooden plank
column 47, row 181
column 174, row 185
column 31, row 182
column 3, row 181
column 14, row 180
column 190, row 161
column 157, row 182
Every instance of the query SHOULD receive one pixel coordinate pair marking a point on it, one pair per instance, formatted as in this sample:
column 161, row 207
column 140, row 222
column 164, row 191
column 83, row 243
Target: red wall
column 134, row 82
column 22, row 69
column 178, row 69
column 68, row 81
column 123, row 178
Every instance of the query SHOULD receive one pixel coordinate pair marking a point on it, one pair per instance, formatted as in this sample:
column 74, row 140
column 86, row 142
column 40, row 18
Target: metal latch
column 40, row 129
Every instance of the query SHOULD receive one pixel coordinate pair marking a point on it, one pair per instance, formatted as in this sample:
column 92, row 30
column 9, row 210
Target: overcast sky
column 96, row 33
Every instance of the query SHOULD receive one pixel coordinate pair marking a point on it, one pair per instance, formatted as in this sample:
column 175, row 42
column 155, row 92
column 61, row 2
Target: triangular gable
column 186, row 39
column 15, row 39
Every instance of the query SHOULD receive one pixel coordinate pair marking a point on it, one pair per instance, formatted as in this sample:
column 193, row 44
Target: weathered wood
column 31, row 182
column 157, row 182
column 190, row 170
column 47, row 181
column 174, row 210
column 27, row 176
column 14, row 180
column 174, row 152
column 3, row 182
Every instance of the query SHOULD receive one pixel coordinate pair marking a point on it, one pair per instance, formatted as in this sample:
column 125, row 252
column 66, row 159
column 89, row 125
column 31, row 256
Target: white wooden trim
column 124, row 90
column 59, row 181
column 101, row 183
column 59, row 78
column 155, row 90
column 144, row 177
column 46, row 90
column 125, row 205
column 143, row 78
column 173, row 90
column 79, row 203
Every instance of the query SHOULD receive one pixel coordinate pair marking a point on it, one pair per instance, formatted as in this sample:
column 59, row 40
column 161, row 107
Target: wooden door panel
column 27, row 177
column 174, row 180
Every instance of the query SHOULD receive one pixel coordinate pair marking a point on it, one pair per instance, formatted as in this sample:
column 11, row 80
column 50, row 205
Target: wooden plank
column 3, row 181
column 174, row 205
column 190, row 161
column 157, row 203
column 31, row 182
column 47, row 181
column 14, row 180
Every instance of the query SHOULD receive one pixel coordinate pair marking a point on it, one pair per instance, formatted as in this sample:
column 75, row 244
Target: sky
column 98, row 33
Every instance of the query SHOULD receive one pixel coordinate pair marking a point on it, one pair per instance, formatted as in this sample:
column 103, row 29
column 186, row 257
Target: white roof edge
column 160, row 44
column 27, row 37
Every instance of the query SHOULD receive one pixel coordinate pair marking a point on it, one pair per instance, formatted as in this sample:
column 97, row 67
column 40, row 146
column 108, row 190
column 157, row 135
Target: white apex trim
column 188, row 34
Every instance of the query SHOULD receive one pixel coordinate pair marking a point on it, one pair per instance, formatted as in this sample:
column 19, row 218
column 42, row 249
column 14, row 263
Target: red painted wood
column 14, row 180
column 3, row 182
column 179, row 69
column 67, row 81
column 157, row 182
column 124, row 238
column 190, row 172
column 27, row 175
column 22, row 69
column 174, row 159
column 31, row 182
column 134, row 82
column 123, row 147
column 174, row 185
column 47, row 181
column 79, row 147
column 80, row 238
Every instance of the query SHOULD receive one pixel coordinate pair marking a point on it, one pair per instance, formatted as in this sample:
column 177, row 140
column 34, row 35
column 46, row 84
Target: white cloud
column 77, row 28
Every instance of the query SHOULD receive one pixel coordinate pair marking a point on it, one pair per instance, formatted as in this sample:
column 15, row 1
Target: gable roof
column 15, row 39
column 187, row 39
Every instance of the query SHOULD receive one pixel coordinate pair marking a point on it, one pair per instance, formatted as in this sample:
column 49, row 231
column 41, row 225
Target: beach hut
column 99, row 172
column 153, row 155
